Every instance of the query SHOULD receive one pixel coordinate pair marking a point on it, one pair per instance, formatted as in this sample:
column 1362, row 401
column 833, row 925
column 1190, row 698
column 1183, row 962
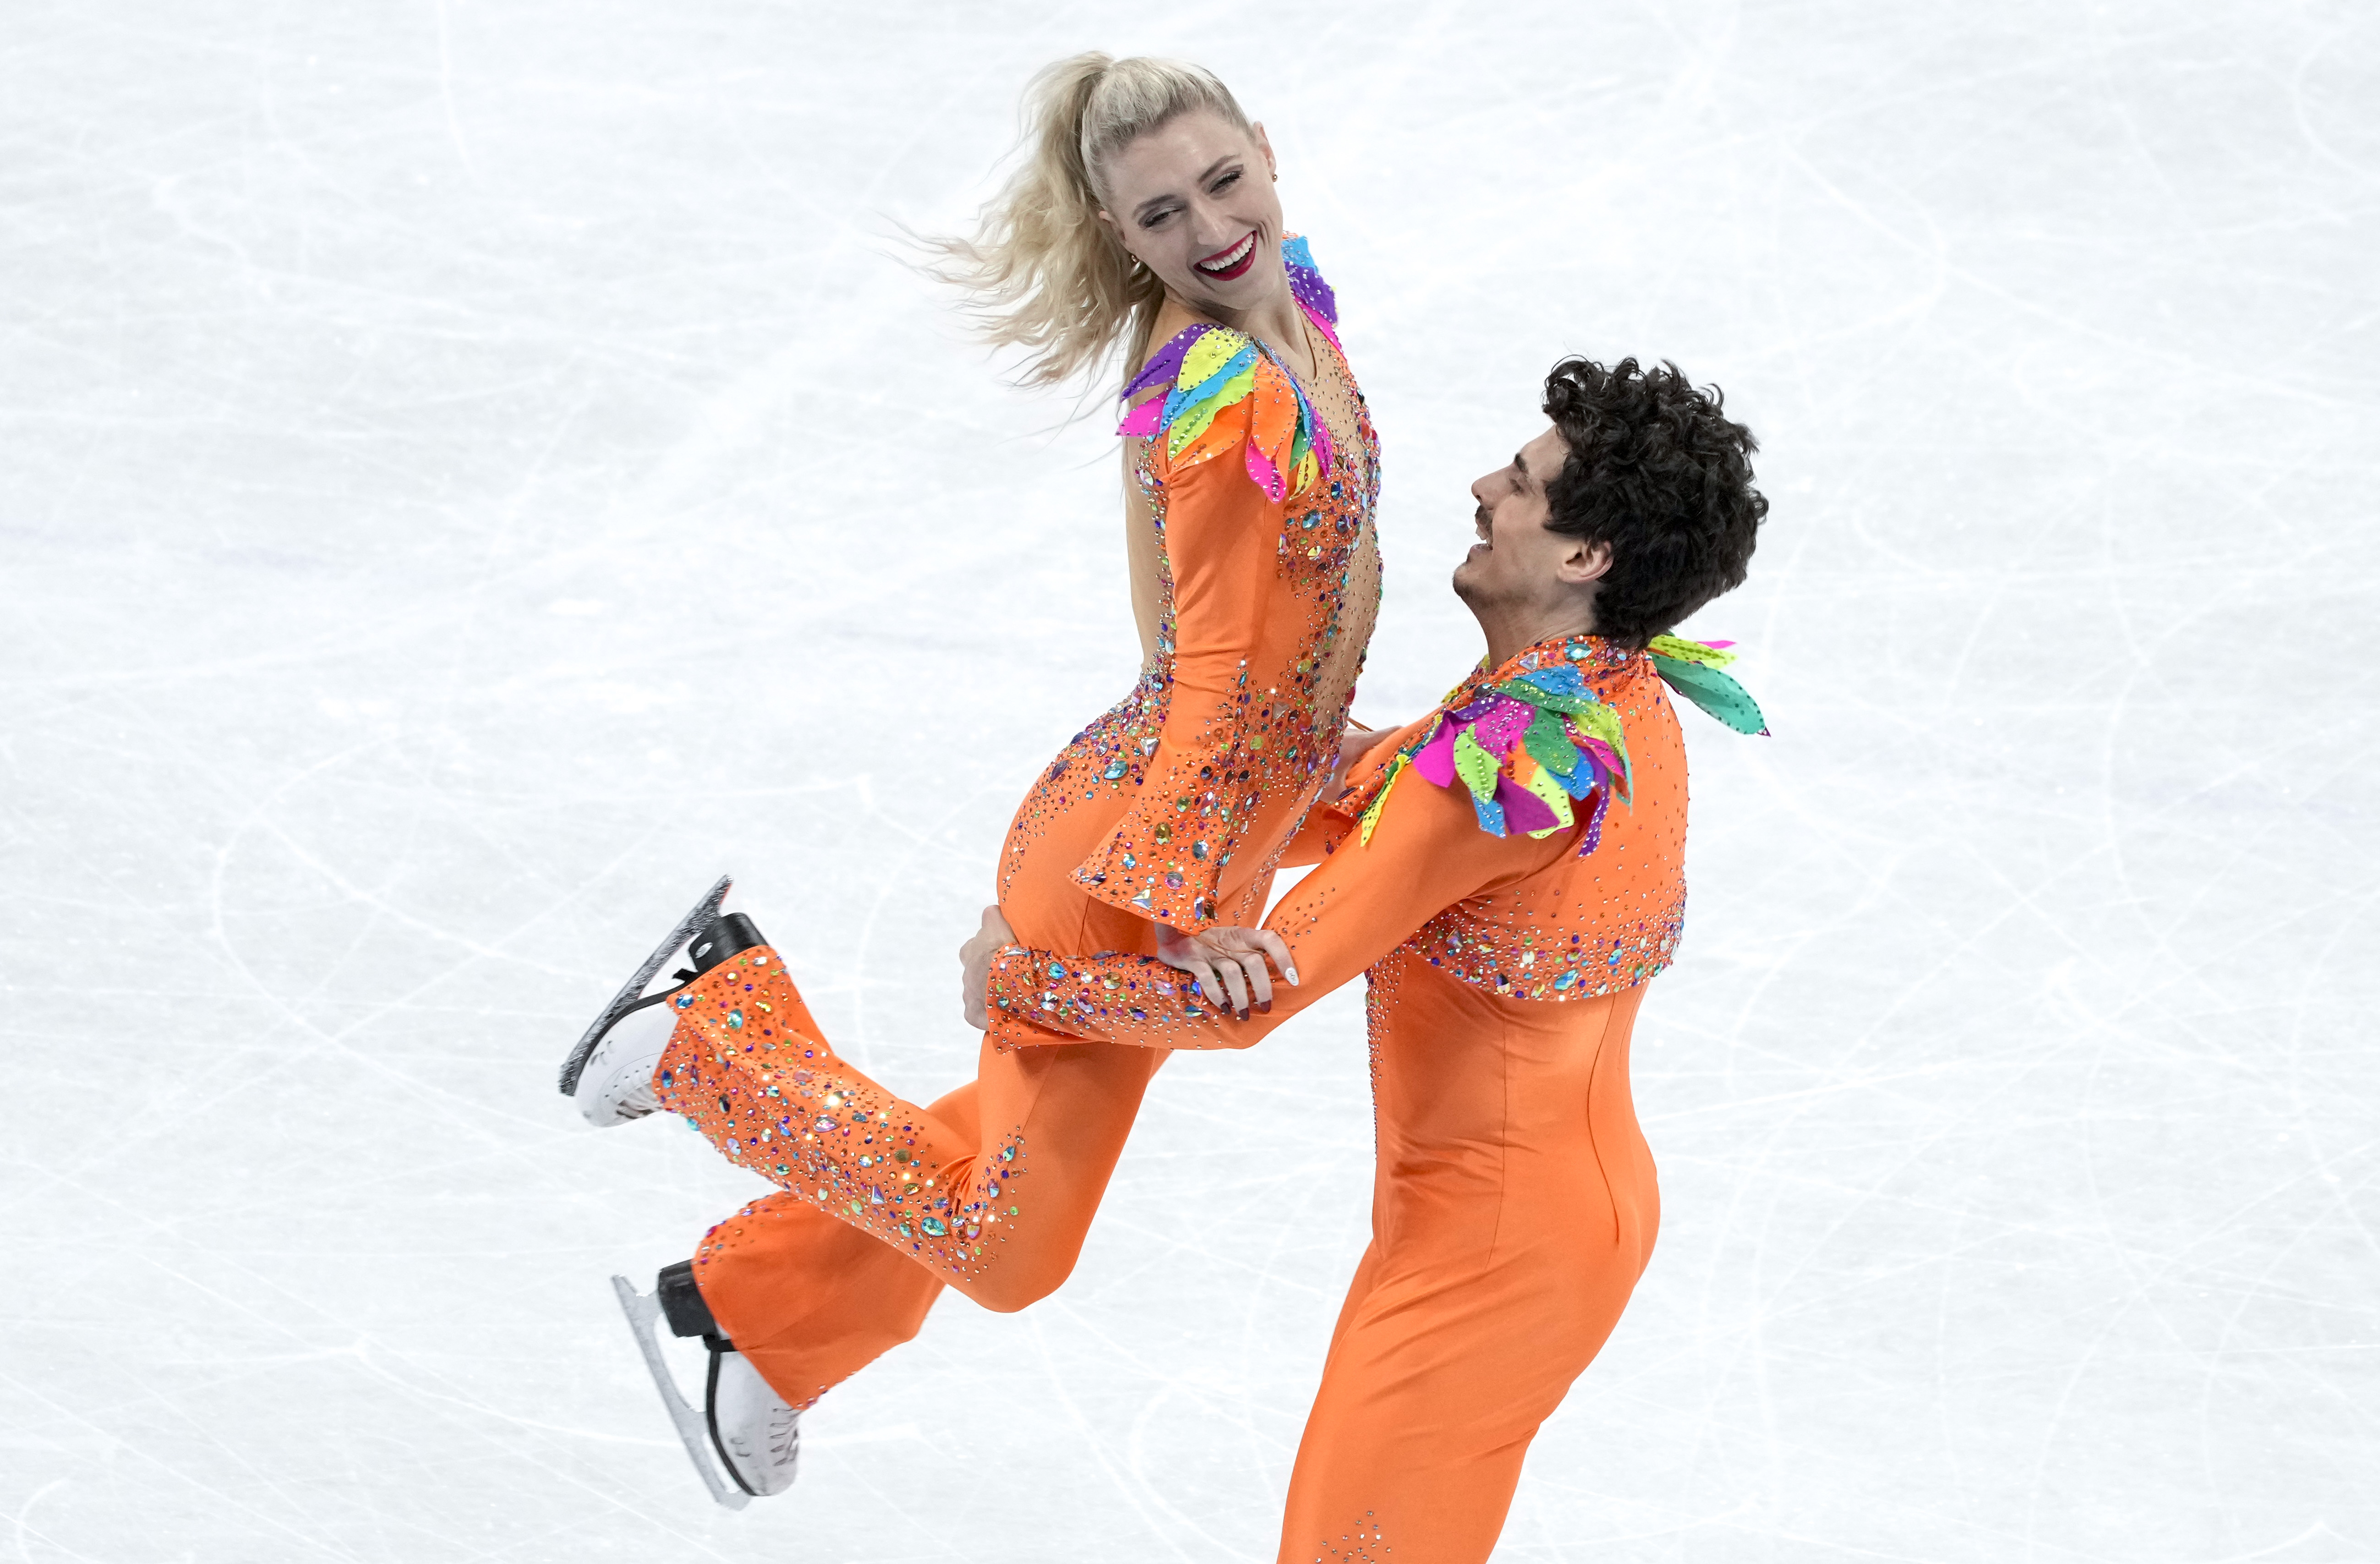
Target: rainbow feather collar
column 1532, row 738
column 1208, row 369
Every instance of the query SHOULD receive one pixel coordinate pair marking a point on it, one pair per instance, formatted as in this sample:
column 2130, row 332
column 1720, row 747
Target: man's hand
column 975, row 965
column 1228, row 964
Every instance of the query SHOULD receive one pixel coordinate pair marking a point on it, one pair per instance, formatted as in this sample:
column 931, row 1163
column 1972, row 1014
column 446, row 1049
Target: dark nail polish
column 1265, row 1009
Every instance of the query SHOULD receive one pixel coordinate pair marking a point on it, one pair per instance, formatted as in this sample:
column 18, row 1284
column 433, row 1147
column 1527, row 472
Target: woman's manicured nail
column 1265, row 1009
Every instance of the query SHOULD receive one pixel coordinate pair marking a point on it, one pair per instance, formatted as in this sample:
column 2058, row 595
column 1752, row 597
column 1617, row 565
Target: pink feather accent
column 1435, row 761
column 1143, row 419
column 1267, row 477
column 1602, row 752
column 1325, row 452
column 1500, row 726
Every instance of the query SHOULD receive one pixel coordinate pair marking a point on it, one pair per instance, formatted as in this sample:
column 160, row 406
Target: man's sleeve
column 1427, row 854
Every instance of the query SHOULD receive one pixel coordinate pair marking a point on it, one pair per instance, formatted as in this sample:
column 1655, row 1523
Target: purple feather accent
column 1524, row 811
column 1306, row 282
column 1478, row 709
column 1594, row 813
column 1161, row 370
column 1435, row 761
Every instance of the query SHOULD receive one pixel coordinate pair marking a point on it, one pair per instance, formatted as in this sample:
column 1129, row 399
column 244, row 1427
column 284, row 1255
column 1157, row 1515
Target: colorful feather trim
column 1209, row 370
column 1692, row 669
column 1524, row 749
column 1526, row 746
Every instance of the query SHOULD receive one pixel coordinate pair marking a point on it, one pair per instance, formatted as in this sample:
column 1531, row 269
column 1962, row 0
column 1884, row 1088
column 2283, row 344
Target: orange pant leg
column 1514, row 1210
column 990, row 1190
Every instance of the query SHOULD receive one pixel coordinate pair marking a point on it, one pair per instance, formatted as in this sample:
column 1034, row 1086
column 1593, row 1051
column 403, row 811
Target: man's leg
column 1502, row 1255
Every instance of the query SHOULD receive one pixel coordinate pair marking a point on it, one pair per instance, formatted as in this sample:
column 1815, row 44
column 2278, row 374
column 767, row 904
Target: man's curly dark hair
column 1658, row 471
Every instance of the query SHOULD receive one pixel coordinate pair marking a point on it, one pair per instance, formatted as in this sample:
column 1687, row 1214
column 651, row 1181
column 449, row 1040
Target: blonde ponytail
column 1042, row 271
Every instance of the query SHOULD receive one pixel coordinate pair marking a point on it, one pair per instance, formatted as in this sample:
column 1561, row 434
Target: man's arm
column 1427, row 854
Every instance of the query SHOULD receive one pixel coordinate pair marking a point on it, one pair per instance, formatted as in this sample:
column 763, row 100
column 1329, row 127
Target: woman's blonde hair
column 1044, row 273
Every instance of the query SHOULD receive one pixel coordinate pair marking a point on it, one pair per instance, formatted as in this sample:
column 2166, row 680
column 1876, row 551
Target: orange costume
column 1507, row 919
column 1507, row 937
column 1174, row 806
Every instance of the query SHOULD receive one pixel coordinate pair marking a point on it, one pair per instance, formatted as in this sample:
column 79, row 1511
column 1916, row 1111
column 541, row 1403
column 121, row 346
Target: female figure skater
column 1146, row 216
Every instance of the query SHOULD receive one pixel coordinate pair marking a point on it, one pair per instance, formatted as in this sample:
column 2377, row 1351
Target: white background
column 474, row 471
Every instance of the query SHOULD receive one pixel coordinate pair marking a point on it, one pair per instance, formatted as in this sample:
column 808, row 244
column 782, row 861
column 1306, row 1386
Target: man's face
column 1516, row 560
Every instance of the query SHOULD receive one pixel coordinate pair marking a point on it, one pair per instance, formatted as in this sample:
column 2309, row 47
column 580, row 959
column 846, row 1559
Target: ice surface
column 475, row 471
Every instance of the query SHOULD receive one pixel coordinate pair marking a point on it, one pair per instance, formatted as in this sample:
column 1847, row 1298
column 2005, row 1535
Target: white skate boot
column 610, row 1074
column 755, row 1433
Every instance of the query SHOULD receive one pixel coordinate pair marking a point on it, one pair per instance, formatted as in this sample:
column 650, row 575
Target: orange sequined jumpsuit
column 1514, row 1202
column 1175, row 805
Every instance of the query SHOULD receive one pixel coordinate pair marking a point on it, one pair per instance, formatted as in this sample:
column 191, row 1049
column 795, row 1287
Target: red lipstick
column 1246, row 252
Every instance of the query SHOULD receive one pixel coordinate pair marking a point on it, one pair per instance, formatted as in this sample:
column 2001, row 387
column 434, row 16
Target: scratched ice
column 475, row 472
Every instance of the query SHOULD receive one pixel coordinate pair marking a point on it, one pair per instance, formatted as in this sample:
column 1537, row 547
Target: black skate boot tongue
column 687, row 1315
column 683, row 1306
column 730, row 936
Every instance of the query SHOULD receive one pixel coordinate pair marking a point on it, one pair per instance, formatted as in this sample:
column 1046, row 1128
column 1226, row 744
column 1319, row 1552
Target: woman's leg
column 1501, row 1258
column 990, row 1189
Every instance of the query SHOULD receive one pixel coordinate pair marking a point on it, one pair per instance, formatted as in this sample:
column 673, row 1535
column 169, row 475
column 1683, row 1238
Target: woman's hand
column 1228, row 961
column 975, row 965
column 1353, row 744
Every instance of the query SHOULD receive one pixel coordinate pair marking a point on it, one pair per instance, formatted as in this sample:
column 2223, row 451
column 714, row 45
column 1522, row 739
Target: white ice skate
column 610, row 1074
column 754, row 1433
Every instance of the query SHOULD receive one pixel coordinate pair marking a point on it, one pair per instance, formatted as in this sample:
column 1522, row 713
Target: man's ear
column 1585, row 562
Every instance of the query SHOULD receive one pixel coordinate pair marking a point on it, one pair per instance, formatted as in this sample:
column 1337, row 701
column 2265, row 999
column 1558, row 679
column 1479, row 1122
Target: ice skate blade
column 643, row 1311
column 704, row 911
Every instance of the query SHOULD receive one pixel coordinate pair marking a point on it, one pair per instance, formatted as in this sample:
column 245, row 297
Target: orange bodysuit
column 1514, row 1202
column 1174, row 806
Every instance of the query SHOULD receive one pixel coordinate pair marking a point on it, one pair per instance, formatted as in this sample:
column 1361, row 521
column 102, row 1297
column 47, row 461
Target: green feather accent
column 1715, row 692
column 1476, row 766
column 1207, row 355
column 1549, row 745
column 1194, row 420
column 1545, row 788
column 1679, row 649
column 1372, row 815
column 1599, row 721
column 1545, row 701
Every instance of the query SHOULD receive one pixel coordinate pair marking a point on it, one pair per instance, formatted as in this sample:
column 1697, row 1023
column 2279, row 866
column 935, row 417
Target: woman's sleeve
column 1363, row 901
column 1194, row 795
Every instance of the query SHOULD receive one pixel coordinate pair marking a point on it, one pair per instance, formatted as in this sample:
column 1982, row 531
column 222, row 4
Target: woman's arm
column 1188, row 805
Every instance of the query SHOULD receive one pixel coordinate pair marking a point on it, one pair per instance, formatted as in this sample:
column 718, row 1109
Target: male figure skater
column 1508, row 919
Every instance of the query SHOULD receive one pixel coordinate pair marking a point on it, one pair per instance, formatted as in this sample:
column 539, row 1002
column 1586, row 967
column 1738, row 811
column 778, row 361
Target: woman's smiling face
column 1193, row 201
